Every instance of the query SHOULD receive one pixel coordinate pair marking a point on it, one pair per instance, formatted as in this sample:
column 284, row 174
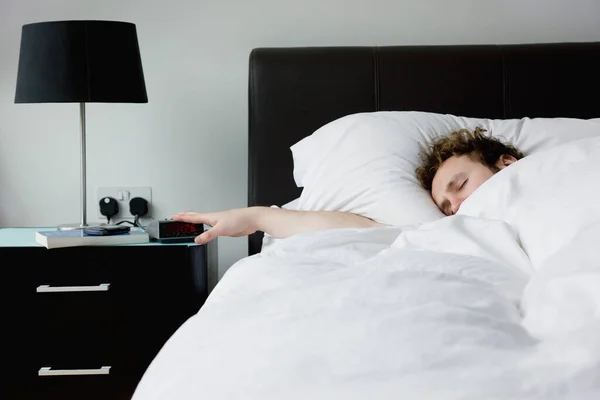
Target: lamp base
column 70, row 227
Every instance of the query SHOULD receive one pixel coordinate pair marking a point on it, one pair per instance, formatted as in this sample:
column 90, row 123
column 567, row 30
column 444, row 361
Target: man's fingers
column 192, row 217
column 206, row 237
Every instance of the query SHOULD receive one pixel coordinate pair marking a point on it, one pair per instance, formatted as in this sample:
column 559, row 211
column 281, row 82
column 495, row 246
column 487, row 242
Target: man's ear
column 504, row 161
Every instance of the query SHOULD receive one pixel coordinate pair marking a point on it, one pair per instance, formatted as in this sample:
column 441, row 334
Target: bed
column 434, row 312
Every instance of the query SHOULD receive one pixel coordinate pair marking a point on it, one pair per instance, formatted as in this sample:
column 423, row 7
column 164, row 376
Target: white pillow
column 365, row 163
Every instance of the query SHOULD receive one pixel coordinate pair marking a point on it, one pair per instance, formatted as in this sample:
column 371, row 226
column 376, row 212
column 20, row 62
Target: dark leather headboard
column 294, row 91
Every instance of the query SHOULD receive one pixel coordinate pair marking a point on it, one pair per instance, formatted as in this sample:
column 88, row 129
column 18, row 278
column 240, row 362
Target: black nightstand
column 85, row 322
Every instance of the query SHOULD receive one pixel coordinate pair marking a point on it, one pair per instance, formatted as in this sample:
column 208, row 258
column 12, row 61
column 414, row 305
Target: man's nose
column 455, row 204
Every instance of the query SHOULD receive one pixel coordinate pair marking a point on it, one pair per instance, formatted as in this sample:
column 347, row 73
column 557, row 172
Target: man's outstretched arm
column 276, row 222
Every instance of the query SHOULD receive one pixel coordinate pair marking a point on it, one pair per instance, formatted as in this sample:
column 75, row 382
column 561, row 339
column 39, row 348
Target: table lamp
column 80, row 62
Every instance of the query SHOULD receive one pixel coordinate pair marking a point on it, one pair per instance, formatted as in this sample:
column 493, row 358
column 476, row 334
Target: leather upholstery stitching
column 376, row 77
column 505, row 86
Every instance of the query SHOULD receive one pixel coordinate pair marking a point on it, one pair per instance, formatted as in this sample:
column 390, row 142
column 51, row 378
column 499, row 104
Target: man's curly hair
column 484, row 149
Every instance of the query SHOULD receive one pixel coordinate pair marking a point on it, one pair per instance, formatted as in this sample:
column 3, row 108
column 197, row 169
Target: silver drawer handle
column 65, row 289
column 48, row 371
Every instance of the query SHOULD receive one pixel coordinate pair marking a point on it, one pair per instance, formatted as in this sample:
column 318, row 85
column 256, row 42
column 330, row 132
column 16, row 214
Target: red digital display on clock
column 180, row 228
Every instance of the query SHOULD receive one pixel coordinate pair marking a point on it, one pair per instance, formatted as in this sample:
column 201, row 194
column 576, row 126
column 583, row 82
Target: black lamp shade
column 80, row 62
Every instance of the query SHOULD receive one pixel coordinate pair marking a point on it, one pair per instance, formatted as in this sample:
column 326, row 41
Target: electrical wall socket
column 123, row 194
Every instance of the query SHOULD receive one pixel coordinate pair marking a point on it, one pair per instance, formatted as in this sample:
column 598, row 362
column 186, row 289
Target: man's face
column 458, row 177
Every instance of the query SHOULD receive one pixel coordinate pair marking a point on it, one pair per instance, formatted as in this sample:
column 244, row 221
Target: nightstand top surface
column 25, row 237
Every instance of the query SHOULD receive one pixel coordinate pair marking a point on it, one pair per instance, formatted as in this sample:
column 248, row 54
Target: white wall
column 189, row 142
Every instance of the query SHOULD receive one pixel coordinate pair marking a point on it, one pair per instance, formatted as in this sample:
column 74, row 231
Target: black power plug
column 138, row 207
column 109, row 207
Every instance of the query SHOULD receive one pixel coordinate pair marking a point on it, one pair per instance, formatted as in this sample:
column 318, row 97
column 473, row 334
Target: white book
column 76, row 237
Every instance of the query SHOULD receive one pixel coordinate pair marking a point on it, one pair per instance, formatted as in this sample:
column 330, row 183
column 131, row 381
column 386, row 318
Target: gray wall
column 195, row 56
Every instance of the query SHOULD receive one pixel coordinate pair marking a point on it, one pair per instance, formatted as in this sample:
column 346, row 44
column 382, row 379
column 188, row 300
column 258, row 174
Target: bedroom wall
column 189, row 142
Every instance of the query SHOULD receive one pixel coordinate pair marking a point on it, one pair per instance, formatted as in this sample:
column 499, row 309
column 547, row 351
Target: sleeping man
column 451, row 169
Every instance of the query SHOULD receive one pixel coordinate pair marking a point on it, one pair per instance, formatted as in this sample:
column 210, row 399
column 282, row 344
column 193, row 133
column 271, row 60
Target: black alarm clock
column 167, row 231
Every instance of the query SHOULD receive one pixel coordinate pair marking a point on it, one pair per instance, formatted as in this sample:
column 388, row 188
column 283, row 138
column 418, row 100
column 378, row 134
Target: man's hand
column 273, row 221
column 234, row 223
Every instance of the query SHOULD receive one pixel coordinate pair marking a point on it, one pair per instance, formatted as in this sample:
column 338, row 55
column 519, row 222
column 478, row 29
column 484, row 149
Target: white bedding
column 501, row 301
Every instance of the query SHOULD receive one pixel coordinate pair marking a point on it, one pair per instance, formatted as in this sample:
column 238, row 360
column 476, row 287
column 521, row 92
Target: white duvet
column 501, row 301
